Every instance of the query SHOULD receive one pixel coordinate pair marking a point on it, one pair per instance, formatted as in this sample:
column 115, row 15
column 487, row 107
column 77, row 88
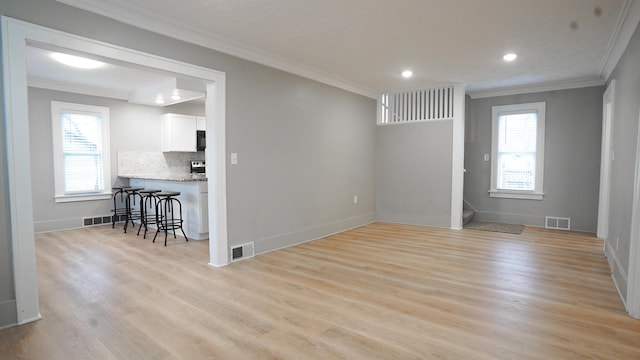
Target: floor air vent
column 99, row 220
column 243, row 251
column 558, row 223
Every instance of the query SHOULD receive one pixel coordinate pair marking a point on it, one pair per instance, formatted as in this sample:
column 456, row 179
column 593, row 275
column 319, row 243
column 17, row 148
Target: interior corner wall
column 573, row 130
column 8, row 311
column 625, row 146
column 413, row 173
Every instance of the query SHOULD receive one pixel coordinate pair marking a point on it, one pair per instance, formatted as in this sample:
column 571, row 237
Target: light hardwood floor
column 382, row 291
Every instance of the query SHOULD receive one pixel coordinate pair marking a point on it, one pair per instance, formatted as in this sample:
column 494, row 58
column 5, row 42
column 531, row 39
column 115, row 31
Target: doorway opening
column 16, row 36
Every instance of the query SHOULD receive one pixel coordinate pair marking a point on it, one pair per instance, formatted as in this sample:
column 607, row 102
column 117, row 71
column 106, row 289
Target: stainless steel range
column 198, row 168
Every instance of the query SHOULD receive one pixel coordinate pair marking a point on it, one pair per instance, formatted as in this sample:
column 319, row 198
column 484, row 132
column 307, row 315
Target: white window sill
column 82, row 197
column 525, row 195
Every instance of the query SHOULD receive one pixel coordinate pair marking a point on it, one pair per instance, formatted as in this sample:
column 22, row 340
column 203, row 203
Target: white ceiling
column 112, row 80
column 363, row 45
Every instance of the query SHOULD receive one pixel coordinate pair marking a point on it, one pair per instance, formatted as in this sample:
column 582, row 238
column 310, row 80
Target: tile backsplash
column 155, row 162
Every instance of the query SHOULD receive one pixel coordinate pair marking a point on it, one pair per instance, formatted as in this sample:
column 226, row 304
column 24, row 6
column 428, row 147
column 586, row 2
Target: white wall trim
column 120, row 11
column 540, row 87
column 216, row 152
column 417, row 219
column 615, row 267
column 15, row 35
column 605, row 161
column 282, row 241
column 76, row 89
column 19, row 172
column 633, row 284
column 625, row 27
column 457, row 157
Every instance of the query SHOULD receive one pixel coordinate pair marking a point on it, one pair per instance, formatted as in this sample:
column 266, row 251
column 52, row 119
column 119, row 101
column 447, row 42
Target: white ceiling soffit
column 111, row 80
column 169, row 92
column 363, row 45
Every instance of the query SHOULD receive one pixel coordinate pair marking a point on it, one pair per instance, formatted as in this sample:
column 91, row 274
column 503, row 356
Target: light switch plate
column 486, row 157
column 234, row 158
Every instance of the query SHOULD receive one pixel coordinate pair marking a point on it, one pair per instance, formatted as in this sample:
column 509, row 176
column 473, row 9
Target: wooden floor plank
column 381, row 291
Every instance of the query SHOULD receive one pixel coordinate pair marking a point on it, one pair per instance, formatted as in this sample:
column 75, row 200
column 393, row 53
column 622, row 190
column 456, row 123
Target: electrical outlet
column 486, row 157
column 355, row 199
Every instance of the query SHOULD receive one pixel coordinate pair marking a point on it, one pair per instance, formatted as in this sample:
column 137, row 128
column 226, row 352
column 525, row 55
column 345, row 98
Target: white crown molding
column 170, row 28
column 626, row 26
column 549, row 86
column 76, row 89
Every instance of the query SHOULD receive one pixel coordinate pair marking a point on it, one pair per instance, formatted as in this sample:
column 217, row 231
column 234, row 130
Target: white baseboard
column 618, row 274
column 282, row 241
column 8, row 314
column 414, row 219
column 57, row 225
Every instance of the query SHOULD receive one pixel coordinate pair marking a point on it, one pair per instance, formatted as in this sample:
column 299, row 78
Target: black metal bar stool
column 119, row 207
column 169, row 214
column 134, row 211
column 148, row 209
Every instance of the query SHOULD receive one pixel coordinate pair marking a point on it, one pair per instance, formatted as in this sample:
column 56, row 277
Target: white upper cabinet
column 201, row 123
column 178, row 133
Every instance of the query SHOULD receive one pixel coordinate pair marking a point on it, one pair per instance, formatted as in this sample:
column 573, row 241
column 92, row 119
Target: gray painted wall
column 413, row 176
column 132, row 128
column 572, row 159
column 624, row 142
column 305, row 148
column 304, row 151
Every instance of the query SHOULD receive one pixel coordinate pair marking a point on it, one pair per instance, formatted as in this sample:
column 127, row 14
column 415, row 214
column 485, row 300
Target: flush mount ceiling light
column 510, row 57
column 77, row 61
column 407, row 74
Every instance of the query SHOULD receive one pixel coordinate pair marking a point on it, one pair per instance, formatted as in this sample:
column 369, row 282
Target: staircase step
column 467, row 216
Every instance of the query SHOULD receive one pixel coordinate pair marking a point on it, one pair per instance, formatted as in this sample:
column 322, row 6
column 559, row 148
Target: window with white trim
column 81, row 152
column 517, row 149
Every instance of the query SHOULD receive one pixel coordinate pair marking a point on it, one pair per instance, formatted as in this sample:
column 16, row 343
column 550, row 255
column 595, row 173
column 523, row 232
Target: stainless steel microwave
column 201, row 140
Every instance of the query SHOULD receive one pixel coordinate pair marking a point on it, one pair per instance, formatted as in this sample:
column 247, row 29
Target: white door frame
column 605, row 161
column 457, row 157
column 633, row 279
column 15, row 36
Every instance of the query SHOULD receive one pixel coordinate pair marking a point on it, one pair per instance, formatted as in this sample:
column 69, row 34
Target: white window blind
column 518, row 151
column 81, row 151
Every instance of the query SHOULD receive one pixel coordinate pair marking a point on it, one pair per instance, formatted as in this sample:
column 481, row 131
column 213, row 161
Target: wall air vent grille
column 558, row 223
column 417, row 105
column 99, row 220
column 243, row 251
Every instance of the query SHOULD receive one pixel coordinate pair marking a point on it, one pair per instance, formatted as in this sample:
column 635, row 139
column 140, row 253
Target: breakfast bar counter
column 194, row 196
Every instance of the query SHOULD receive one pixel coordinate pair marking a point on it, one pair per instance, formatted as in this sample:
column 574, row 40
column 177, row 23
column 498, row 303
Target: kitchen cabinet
column 201, row 123
column 194, row 197
column 178, row 133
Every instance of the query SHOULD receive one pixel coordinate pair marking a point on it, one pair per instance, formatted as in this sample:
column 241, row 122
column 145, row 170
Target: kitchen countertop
column 167, row 177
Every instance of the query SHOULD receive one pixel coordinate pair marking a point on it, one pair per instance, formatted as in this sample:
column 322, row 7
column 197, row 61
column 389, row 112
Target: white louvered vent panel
column 418, row 105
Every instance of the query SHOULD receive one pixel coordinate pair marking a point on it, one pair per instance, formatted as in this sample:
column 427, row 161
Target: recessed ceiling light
column 407, row 74
column 176, row 96
column 159, row 100
column 77, row 61
column 509, row 57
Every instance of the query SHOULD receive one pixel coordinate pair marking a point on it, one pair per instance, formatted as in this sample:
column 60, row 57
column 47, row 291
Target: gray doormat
column 495, row 227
